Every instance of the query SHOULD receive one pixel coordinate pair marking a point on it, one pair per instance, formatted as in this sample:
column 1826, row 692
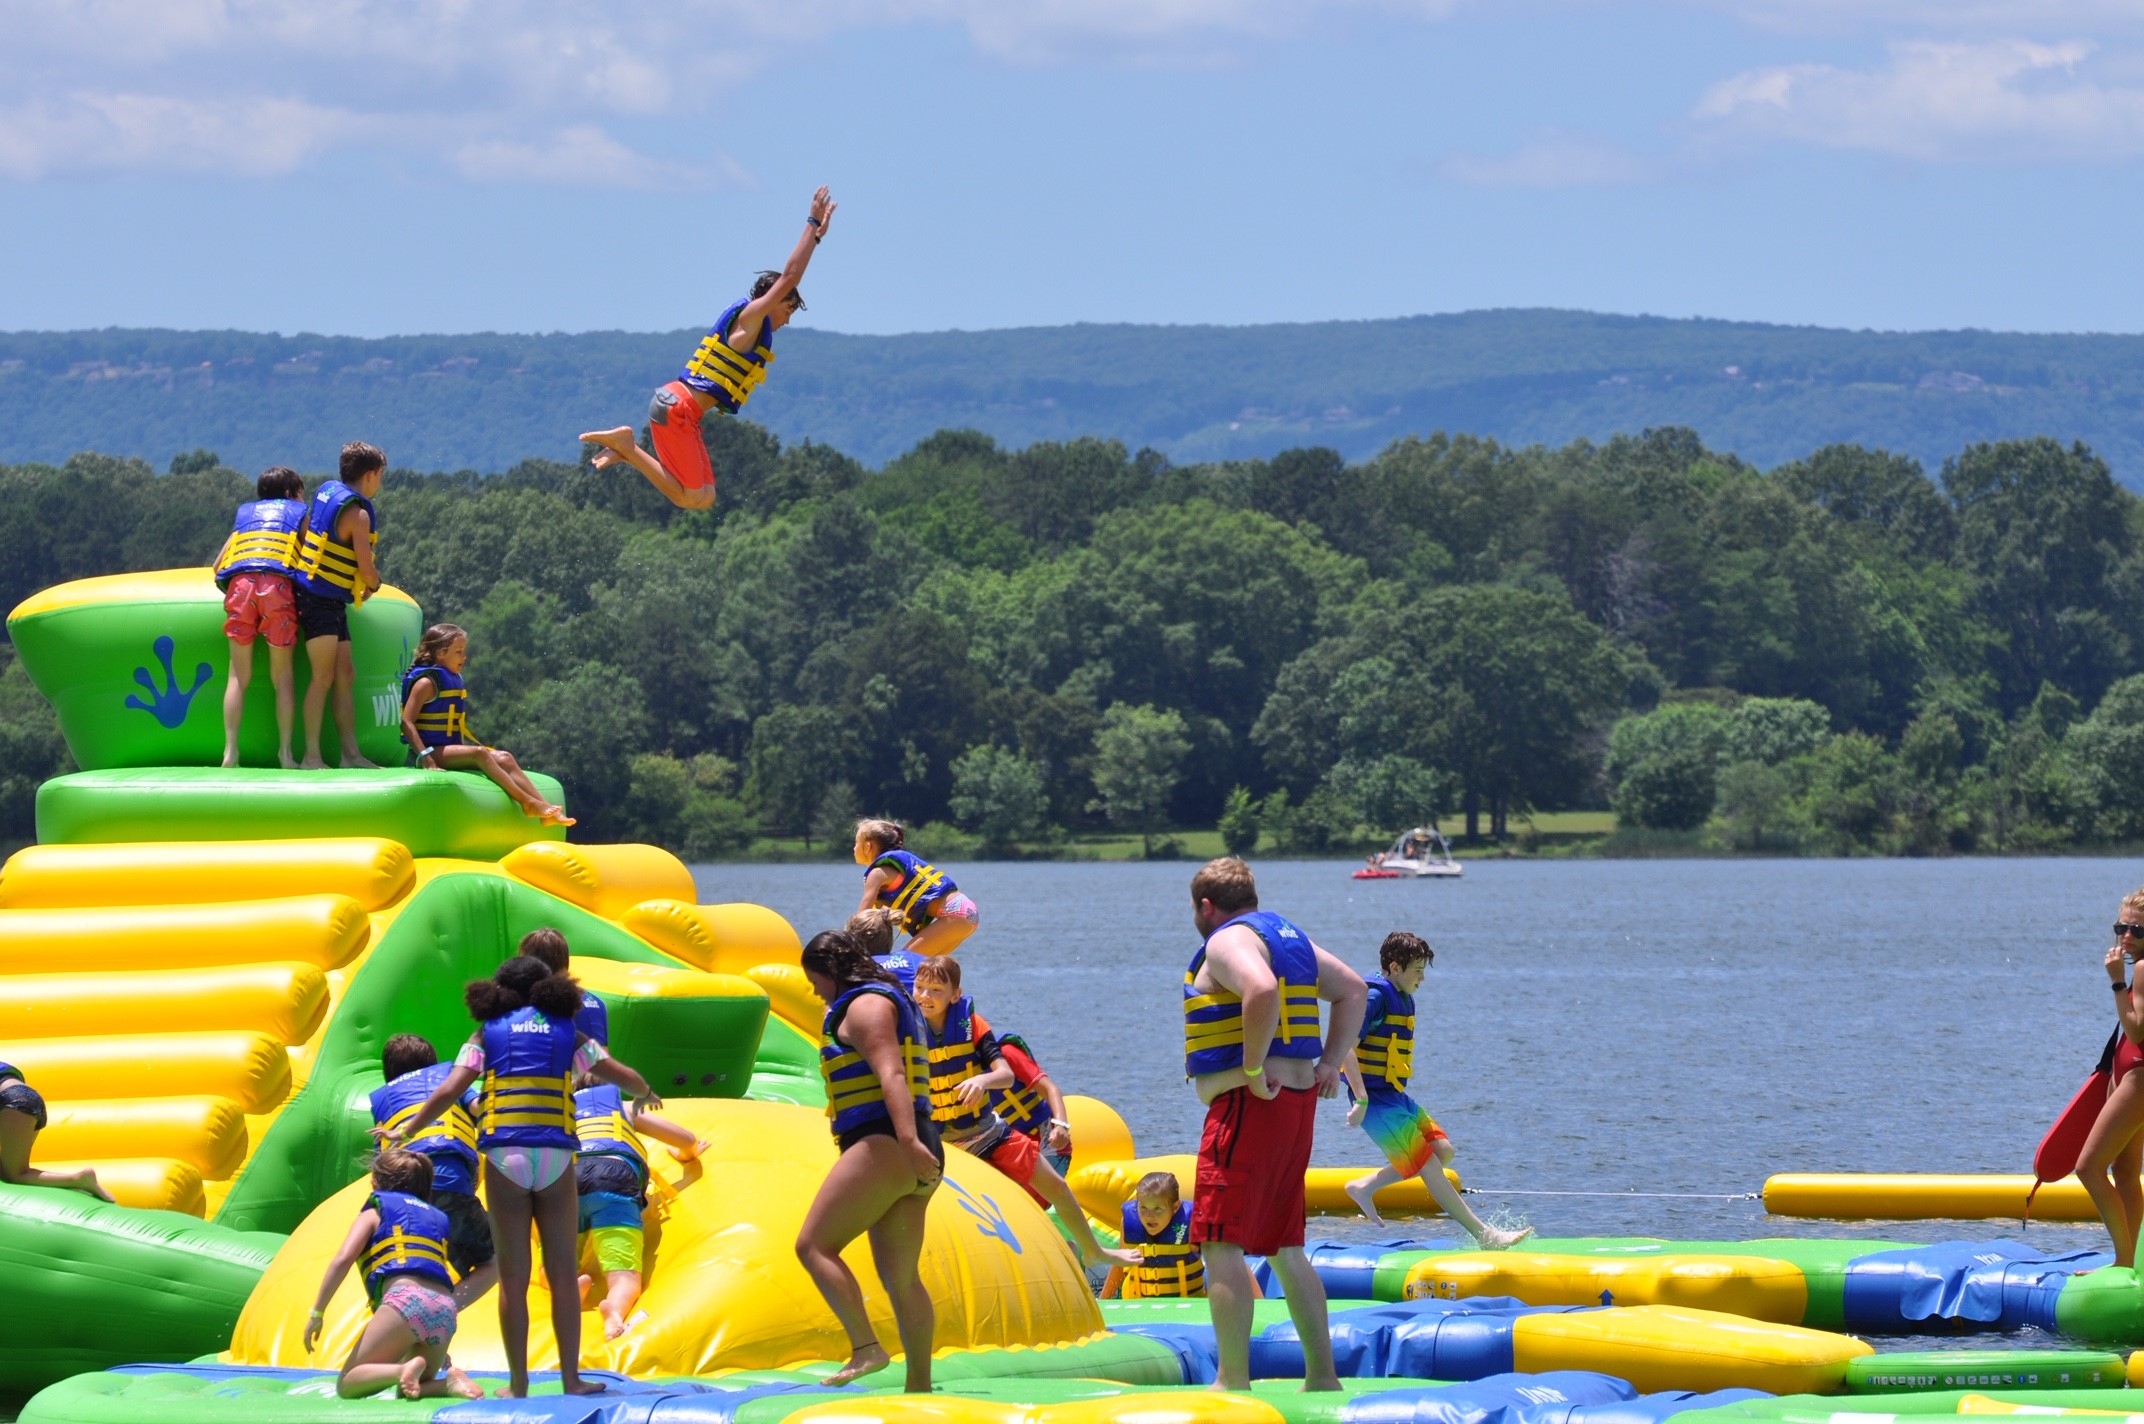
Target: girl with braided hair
column 877, row 1074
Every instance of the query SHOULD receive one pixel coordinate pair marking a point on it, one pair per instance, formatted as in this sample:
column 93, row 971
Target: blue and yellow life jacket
column 721, row 370
column 916, row 883
column 528, row 1082
column 1385, row 1053
column 902, row 966
column 853, row 1096
column 593, row 1018
column 1024, row 1109
column 1169, row 1263
column 1213, row 1022
column 264, row 539
column 411, row 1240
column 451, row 1139
column 953, row 1062
column 600, row 1122
column 325, row 565
column 443, row 721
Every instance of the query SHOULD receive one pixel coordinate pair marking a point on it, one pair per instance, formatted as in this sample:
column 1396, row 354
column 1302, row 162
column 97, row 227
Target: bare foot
column 613, row 1322
column 286, row 761
column 614, row 442
column 1358, row 1192
column 1492, row 1239
column 556, row 816
column 577, row 1385
column 357, row 761
column 584, row 1281
column 461, row 1386
column 412, row 1384
column 230, row 760
column 313, row 763
column 864, row 1361
column 96, row 1189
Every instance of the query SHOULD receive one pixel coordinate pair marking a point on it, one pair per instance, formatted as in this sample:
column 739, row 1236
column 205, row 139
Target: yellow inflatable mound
column 723, row 1287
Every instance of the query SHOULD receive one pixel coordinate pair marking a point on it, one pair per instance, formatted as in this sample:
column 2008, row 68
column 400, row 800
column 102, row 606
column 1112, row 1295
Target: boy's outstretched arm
column 676, row 1136
column 815, row 226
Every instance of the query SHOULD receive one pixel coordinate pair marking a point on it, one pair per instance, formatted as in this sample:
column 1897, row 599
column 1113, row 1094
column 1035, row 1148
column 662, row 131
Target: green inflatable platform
column 434, row 813
column 135, row 666
column 85, row 1285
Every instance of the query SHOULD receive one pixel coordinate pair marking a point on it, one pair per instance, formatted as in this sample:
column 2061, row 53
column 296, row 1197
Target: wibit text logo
column 386, row 709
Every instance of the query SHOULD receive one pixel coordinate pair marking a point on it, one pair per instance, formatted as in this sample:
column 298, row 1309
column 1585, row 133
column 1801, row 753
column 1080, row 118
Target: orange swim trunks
column 674, row 430
column 260, row 605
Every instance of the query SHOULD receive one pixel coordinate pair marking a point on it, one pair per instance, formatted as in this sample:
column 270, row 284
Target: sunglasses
column 2121, row 928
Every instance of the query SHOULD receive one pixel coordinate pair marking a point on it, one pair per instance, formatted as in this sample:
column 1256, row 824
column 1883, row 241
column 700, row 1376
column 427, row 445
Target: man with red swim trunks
column 727, row 367
column 1252, row 1049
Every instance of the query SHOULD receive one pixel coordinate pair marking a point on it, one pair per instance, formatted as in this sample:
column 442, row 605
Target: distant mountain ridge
column 486, row 401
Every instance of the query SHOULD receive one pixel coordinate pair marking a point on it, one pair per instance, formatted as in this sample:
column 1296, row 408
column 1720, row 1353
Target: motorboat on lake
column 1421, row 853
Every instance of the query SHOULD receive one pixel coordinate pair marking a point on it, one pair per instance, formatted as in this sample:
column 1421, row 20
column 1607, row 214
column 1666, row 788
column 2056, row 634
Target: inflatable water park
column 202, row 965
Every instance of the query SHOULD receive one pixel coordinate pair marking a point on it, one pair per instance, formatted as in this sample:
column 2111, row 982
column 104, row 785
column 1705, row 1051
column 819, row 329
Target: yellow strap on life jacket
column 454, row 1123
column 717, row 361
column 916, row 892
column 322, row 558
column 528, row 1100
column 590, row 1131
column 260, row 544
column 398, row 1248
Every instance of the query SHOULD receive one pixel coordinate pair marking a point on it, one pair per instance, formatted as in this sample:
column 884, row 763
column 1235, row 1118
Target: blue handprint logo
column 167, row 705
column 988, row 1219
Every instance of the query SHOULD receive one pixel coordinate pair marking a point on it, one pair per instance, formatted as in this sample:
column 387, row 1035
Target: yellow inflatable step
column 250, row 1069
column 151, row 1183
column 1663, row 1347
column 371, row 871
column 607, row 880
column 721, row 939
column 1755, row 1287
column 1988, row 1404
column 1103, row 1187
column 207, row 1134
column 283, row 1001
column 325, row 931
column 790, row 996
column 1901, row 1196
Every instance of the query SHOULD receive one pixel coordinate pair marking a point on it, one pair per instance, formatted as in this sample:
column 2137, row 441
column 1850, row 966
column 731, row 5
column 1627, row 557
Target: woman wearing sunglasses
column 2115, row 1147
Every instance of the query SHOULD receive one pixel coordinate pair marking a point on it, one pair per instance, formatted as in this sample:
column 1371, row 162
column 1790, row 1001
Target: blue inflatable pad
column 2003, row 1285
column 1652, row 1408
column 1348, row 1268
column 1410, row 1339
column 1194, row 1346
column 1551, row 1398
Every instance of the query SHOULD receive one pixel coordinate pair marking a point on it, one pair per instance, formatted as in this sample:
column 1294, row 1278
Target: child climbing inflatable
column 923, row 898
column 727, row 367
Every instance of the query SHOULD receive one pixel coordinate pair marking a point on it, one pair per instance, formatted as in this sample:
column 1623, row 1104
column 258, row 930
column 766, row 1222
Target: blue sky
column 373, row 167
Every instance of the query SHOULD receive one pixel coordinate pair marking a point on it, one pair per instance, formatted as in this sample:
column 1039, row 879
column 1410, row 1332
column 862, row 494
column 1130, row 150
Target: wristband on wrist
column 1258, row 1072
column 2117, row 988
column 811, row 222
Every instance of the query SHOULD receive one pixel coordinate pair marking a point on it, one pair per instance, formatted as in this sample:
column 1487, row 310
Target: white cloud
column 583, row 156
column 86, row 131
column 2003, row 100
column 1553, row 160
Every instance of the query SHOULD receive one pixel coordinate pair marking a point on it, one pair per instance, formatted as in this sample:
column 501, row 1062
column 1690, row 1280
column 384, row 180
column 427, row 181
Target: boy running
column 730, row 363
column 1377, row 1073
column 966, row 1066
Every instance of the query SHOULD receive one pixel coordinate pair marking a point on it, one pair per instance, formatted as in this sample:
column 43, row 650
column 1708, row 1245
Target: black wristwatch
column 2117, row 988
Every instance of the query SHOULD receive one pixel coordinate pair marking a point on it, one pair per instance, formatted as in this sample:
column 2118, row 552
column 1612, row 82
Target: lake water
column 1614, row 1029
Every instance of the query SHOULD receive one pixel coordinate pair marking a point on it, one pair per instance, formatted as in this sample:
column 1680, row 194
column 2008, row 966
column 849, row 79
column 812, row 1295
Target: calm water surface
column 1607, row 1028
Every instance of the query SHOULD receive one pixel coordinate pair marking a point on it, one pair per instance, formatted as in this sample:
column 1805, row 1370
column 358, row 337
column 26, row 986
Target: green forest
column 1195, row 393
column 1842, row 654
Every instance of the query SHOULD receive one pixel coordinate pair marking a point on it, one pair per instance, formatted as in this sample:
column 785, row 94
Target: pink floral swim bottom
column 428, row 1311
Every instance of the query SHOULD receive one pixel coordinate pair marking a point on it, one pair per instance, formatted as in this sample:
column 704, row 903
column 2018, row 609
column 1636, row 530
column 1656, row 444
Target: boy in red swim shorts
column 727, row 367
column 253, row 570
column 966, row 1066
column 1253, row 1051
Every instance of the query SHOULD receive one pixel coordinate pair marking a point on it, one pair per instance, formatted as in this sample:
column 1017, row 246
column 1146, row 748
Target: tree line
column 1840, row 654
